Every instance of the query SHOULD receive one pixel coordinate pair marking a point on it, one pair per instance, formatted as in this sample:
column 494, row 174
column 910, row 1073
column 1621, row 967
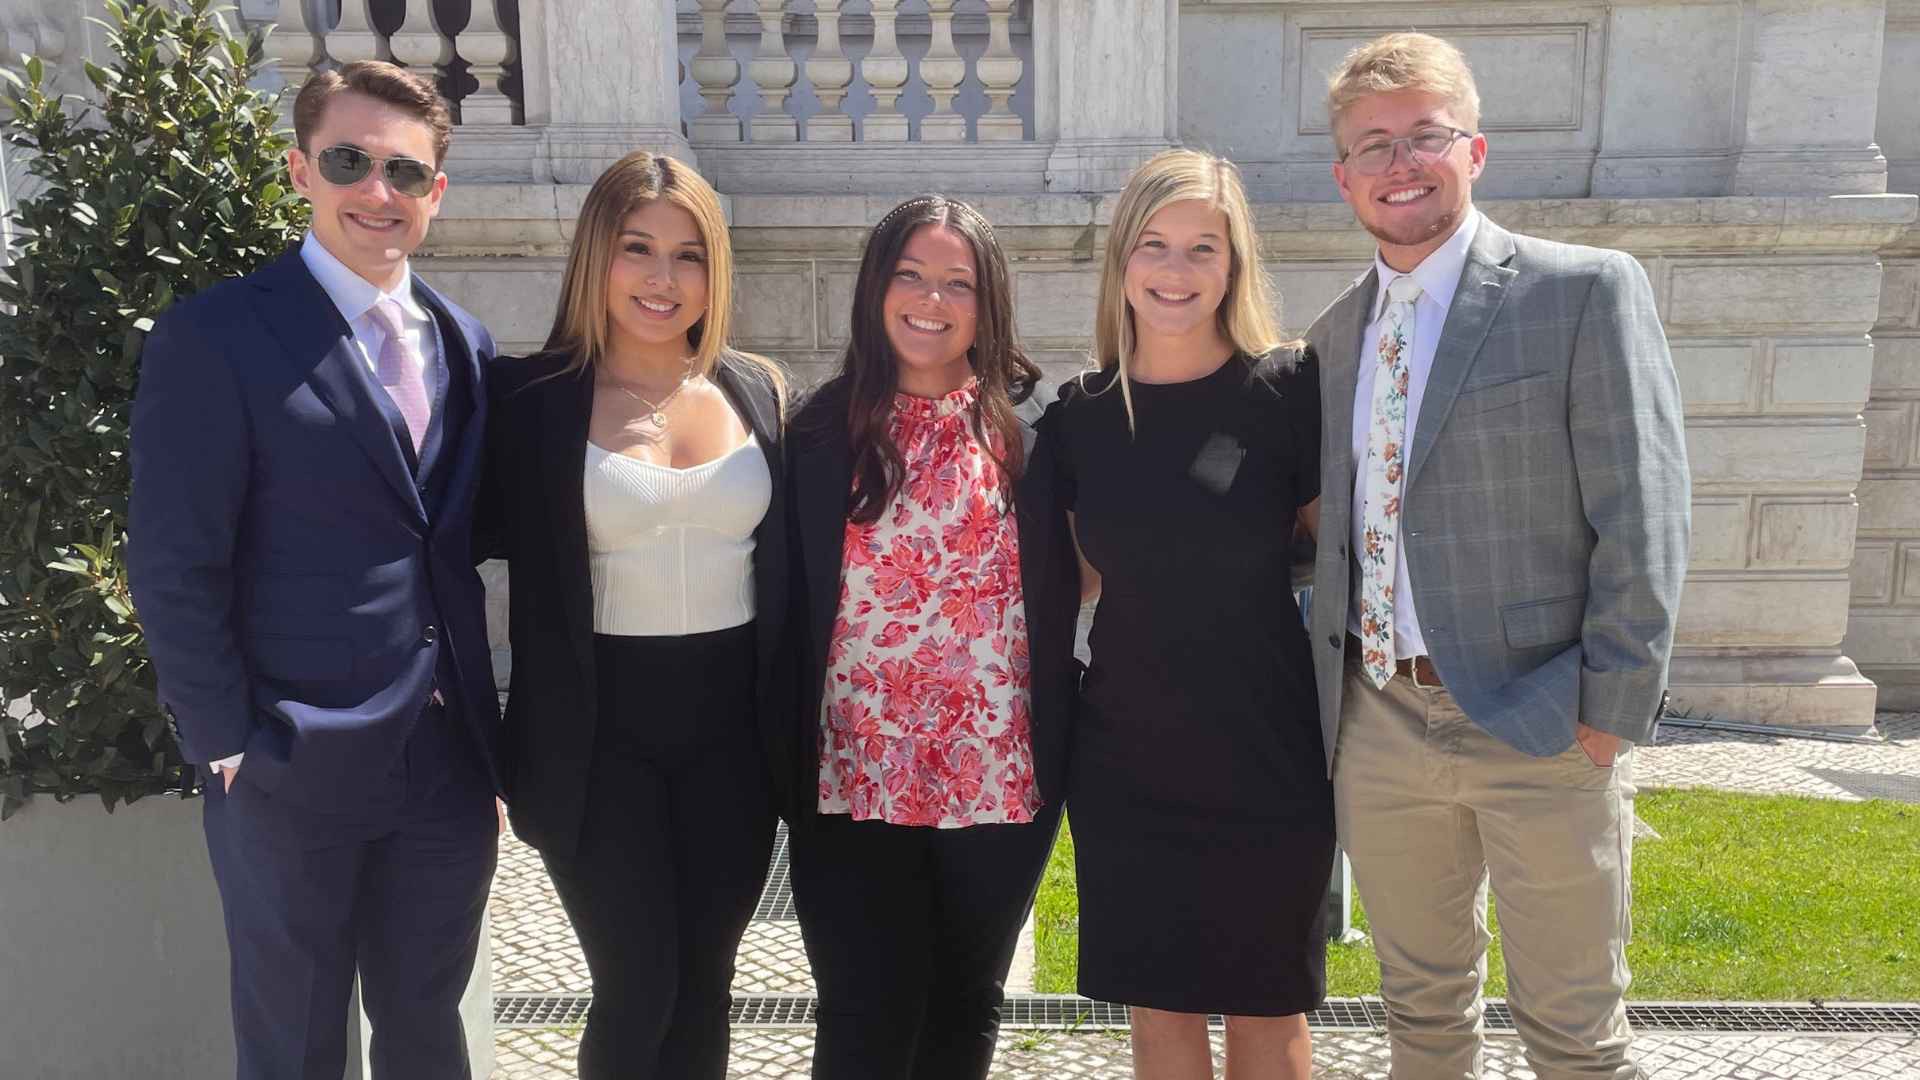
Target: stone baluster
column 296, row 47
column 715, row 69
column 418, row 45
column 354, row 37
column 34, row 33
column 487, row 50
column 830, row 72
column 999, row 69
column 27, row 33
column 773, row 73
column 885, row 69
column 942, row 69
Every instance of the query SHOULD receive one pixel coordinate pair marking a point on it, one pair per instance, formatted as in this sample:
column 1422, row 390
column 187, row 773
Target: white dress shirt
column 355, row 296
column 1438, row 276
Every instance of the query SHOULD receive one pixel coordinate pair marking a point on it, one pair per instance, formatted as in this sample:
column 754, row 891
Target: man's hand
column 1599, row 746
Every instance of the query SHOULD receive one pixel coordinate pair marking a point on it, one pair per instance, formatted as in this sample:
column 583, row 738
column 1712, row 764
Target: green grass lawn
column 1748, row 898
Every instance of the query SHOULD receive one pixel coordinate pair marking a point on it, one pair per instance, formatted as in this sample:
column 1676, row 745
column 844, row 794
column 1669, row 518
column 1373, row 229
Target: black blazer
column 821, row 476
column 535, row 518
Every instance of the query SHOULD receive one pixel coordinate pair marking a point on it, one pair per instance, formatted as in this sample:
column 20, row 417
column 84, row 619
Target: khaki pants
column 1431, row 807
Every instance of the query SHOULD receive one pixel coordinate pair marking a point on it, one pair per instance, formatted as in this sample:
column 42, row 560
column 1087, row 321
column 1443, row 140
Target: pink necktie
column 402, row 371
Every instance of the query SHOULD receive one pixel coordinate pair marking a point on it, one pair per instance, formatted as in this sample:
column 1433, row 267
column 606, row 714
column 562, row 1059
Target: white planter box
column 113, row 953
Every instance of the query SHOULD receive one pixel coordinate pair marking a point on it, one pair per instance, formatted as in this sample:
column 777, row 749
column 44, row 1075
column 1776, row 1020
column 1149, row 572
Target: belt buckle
column 1413, row 672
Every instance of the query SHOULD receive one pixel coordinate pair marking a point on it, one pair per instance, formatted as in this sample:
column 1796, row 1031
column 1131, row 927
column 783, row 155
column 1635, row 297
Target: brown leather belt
column 1419, row 669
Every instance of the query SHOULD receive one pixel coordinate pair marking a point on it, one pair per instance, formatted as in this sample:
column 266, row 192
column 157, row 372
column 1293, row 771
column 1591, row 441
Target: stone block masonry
column 1769, row 303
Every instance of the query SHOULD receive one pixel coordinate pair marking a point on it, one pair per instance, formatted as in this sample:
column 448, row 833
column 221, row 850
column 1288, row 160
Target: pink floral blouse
column 926, row 713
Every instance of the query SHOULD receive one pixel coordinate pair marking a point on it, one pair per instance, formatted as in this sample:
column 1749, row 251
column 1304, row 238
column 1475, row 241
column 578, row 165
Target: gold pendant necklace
column 656, row 413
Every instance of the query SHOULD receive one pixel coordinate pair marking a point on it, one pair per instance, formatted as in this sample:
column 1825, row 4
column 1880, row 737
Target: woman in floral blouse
column 937, row 677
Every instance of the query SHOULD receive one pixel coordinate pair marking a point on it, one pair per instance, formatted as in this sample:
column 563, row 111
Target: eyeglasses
column 1371, row 157
column 345, row 166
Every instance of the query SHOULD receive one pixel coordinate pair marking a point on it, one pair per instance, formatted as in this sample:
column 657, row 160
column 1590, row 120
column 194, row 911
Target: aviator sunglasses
column 345, row 166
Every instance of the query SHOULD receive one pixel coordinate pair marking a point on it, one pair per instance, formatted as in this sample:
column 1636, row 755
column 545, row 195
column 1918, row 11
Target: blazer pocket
column 1544, row 622
column 1500, row 391
column 300, row 659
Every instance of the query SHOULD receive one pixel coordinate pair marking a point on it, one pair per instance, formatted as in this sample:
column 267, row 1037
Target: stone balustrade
column 800, row 84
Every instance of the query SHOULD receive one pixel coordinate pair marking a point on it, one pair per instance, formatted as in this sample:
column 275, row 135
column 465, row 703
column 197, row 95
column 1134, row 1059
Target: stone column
column 1811, row 83
column 607, row 76
column 1107, row 81
column 1883, row 631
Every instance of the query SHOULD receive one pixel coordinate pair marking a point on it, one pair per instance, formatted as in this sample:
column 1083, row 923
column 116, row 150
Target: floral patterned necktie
column 1385, row 473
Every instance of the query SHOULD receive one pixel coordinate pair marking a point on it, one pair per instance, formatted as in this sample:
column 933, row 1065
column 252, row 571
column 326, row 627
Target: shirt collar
column 351, row 293
column 953, row 403
column 1438, row 275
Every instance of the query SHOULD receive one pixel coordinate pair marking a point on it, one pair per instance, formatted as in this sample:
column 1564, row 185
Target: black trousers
column 671, row 860
column 910, row 932
column 394, row 892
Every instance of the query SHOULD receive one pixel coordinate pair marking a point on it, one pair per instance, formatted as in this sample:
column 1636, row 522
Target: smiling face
column 1177, row 273
column 367, row 225
column 930, row 309
column 1411, row 208
column 657, row 279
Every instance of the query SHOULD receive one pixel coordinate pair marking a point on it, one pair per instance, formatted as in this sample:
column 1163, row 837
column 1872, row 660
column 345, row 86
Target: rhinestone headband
column 928, row 200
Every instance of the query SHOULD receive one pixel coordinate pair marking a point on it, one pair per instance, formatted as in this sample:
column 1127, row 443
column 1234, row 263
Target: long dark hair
column 871, row 370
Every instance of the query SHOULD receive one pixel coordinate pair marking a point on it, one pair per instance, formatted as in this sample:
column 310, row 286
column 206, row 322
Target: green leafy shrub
column 173, row 178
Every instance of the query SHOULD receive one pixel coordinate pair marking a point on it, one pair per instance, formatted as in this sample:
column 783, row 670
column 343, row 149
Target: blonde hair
column 1248, row 315
column 581, row 327
column 1404, row 61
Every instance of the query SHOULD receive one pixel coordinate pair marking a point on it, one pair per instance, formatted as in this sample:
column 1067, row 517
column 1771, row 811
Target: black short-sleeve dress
column 1202, row 814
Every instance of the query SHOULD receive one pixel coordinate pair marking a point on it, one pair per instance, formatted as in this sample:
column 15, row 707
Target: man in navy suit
column 306, row 452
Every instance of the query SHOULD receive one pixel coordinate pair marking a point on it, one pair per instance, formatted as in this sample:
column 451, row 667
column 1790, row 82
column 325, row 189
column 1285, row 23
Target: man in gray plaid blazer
column 1503, row 533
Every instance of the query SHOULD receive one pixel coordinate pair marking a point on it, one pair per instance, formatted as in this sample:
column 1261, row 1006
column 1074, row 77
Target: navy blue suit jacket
column 304, row 584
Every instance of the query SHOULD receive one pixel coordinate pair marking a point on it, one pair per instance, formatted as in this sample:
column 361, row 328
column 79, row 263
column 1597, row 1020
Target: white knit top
column 672, row 549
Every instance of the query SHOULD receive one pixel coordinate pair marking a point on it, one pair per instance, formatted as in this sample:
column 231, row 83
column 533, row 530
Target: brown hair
column 1404, row 61
column 873, row 373
column 381, row 81
column 580, row 324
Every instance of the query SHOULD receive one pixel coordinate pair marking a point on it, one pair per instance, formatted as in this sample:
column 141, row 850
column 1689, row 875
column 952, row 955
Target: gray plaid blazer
column 1545, row 514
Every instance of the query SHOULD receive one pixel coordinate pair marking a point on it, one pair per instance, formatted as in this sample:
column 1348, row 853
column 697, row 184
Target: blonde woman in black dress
column 1202, row 814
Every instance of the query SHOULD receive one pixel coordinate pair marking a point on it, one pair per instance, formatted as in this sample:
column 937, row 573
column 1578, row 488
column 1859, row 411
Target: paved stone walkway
column 534, row 950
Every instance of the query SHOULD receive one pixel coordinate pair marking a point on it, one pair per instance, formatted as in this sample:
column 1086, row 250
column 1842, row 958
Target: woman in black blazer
column 936, row 668
column 636, row 487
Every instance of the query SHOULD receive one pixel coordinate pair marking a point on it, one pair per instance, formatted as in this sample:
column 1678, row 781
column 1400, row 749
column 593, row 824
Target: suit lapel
column 755, row 413
column 1032, row 496
column 823, row 474
column 461, row 349
column 1346, row 337
column 567, row 407
column 1483, row 288
column 319, row 343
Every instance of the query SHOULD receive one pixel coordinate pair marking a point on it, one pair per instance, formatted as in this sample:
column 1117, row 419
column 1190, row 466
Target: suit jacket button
column 1333, row 641
column 429, row 634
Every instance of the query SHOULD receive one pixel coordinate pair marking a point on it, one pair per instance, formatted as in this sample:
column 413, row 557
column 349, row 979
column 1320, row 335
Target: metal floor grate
column 1070, row 1012
column 1850, row 1018
column 540, row 1010
column 776, row 899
